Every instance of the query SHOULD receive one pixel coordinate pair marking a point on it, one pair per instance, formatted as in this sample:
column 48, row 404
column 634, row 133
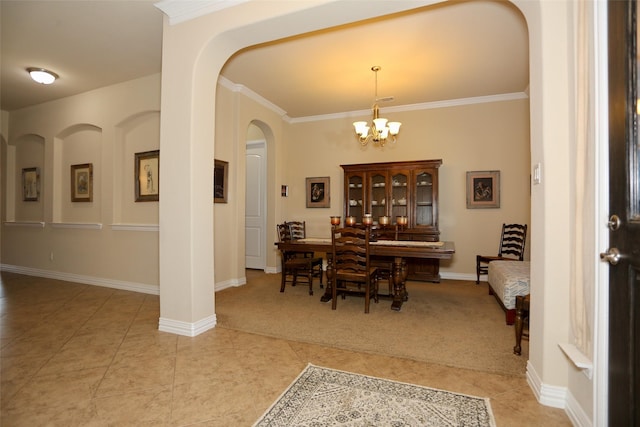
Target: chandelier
column 381, row 129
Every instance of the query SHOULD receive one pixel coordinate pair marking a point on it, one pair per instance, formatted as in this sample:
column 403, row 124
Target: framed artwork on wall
column 318, row 195
column 220, row 176
column 82, row 182
column 31, row 184
column 483, row 189
column 147, row 176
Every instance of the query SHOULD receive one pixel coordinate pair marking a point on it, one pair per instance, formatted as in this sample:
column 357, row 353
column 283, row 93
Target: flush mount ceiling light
column 380, row 129
column 42, row 76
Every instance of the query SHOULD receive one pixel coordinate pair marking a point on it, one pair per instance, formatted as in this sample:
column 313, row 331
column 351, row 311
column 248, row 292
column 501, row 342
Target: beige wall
column 495, row 137
column 112, row 240
column 475, row 137
column 193, row 53
column 195, row 50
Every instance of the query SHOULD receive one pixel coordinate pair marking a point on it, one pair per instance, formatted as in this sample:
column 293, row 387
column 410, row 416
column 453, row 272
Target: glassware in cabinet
column 354, row 196
column 399, row 194
column 377, row 195
column 424, row 199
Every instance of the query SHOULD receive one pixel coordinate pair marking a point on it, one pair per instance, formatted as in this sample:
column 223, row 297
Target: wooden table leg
column 521, row 307
column 399, row 283
column 327, row 296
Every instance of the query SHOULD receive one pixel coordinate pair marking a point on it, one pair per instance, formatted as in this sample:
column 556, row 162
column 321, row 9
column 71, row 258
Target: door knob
column 612, row 256
column 614, row 222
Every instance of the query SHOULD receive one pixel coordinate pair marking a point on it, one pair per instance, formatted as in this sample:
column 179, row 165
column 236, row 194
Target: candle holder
column 350, row 221
column 367, row 219
column 402, row 221
column 384, row 220
column 335, row 221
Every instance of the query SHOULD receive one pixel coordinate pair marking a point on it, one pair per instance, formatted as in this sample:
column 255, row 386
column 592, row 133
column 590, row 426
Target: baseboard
column 179, row 327
column 87, row 280
column 576, row 414
column 231, row 283
column 459, row 276
column 547, row 395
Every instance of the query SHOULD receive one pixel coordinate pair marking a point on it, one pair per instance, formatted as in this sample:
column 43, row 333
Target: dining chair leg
column 334, row 294
column 310, row 275
column 367, row 301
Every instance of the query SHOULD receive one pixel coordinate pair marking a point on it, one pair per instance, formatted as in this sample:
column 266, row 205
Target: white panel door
column 255, row 207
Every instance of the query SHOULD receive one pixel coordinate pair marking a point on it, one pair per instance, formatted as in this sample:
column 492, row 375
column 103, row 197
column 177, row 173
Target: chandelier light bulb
column 42, row 76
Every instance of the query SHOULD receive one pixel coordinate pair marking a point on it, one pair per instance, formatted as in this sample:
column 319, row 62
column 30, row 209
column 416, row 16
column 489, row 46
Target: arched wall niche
column 79, row 144
column 135, row 134
column 26, row 158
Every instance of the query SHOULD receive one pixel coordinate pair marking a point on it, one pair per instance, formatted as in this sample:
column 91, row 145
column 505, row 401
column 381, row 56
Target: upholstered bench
column 508, row 279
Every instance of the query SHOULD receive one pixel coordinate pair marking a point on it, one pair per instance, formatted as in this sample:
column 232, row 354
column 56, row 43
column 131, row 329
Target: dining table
column 397, row 250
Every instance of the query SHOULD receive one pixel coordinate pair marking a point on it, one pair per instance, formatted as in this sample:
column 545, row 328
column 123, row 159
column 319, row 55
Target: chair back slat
column 284, row 232
column 350, row 247
column 298, row 229
column 512, row 241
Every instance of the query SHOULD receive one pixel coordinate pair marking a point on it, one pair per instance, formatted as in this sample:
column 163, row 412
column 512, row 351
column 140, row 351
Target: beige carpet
column 453, row 323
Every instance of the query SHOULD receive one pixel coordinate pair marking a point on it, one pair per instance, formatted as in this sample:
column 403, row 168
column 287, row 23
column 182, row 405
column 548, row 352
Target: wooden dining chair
column 297, row 265
column 352, row 271
column 384, row 264
column 299, row 231
column 512, row 241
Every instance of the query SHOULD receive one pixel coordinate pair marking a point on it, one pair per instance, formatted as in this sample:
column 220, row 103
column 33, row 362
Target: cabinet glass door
column 399, row 195
column 355, row 196
column 378, row 199
column 424, row 199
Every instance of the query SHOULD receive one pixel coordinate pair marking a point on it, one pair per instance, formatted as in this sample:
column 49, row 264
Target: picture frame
column 318, row 192
column 220, row 178
column 31, row 184
column 147, row 176
column 284, row 191
column 483, row 189
column 82, row 182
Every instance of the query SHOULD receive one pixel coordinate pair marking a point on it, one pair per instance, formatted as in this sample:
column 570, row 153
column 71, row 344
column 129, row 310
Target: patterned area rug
column 327, row 397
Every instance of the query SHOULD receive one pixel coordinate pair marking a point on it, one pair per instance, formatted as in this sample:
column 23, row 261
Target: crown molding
column 185, row 10
column 235, row 87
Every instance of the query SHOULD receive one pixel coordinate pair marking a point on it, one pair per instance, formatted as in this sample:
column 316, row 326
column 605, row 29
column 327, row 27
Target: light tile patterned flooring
column 81, row 355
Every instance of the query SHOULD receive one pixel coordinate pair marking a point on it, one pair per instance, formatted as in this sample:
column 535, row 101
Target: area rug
column 328, row 397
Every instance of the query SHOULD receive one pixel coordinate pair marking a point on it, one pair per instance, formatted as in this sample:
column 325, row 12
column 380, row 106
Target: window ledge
column 37, row 224
column 135, row 227
column 578, row 358
column 85, row 225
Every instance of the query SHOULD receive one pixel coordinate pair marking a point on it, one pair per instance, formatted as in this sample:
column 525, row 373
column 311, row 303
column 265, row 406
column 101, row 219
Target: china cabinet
column 398, row 189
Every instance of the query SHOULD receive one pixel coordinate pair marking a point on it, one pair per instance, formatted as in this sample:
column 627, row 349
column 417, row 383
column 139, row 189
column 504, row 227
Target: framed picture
column 82, row 182
column 483, row 189
column 30, row 184
column 147, row 176
column 220, row 176
column 284, row 190
column 318, row 195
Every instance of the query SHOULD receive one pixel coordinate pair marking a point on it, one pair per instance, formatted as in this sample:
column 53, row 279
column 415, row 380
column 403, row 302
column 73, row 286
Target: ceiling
column 450, row 51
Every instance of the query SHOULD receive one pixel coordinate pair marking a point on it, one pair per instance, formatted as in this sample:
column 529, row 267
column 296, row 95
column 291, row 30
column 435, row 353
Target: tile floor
column 81, row 355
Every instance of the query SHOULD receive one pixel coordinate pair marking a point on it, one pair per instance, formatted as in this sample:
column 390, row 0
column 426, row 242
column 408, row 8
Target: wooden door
column 624, row 201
